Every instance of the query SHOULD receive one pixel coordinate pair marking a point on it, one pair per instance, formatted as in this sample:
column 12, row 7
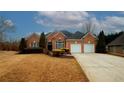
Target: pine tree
column 23, row 44
column 101, row 45
column 42, row 41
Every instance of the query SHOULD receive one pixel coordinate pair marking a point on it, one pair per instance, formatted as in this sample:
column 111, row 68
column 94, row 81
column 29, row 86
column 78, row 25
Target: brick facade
column 74, row 41
column 34, row 38
column 55, row 37
column 89, row 39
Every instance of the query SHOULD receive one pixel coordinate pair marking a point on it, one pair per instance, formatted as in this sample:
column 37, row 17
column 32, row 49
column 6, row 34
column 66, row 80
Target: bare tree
column 5, row 26
column 88, row 26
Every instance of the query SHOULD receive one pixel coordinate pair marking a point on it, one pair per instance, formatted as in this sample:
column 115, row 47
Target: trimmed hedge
column 31, row 50
column 66, row 50
column 57, row 52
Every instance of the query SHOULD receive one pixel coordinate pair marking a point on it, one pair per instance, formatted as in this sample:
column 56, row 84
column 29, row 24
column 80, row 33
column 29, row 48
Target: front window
column 35, row 44
column 59, row 44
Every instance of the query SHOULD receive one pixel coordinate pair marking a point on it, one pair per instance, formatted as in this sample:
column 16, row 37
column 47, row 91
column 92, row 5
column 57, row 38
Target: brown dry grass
column 39, row 67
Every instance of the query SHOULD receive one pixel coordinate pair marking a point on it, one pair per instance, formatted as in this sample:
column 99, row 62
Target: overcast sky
column 45, row 21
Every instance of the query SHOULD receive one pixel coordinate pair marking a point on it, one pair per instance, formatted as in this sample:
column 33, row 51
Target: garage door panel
column 89, row 48
column 75, row 48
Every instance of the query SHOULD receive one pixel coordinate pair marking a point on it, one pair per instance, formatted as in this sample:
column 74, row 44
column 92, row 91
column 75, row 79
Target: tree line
column 9, row 46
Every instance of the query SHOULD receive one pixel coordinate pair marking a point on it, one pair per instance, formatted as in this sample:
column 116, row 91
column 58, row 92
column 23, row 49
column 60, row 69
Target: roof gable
column 33, row 35
column 54, row 34
column 88, row 34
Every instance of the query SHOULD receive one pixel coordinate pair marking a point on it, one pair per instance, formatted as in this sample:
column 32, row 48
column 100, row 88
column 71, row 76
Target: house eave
column 72, row 39
column 87, row 34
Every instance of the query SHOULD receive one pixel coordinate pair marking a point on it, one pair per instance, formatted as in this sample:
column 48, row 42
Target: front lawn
column 39, row 68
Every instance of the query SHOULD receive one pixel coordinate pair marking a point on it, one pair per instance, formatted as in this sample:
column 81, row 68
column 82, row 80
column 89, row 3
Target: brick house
column 83, row 43
column 33, row 40
column 117, row 45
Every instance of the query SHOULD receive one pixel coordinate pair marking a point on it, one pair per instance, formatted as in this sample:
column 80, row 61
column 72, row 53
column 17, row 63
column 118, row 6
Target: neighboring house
column 117, row 46
column 77, row 42
column 33, row 40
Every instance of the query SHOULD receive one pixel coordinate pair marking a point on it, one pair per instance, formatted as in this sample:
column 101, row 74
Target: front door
column 49, row 46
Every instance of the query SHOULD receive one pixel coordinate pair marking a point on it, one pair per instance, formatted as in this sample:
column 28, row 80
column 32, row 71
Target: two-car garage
column 86, row 44
column 87, row 48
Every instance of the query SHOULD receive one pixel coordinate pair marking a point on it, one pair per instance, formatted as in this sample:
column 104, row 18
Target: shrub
column 66, row 50
column 23, row 44
column 42, row 41
column 101, row 46
column 57, row 52
column 31, row 50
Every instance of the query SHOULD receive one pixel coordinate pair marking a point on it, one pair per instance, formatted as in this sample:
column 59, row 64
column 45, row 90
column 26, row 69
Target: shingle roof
column 76, row 35
column 69, row 35
column 118, row 41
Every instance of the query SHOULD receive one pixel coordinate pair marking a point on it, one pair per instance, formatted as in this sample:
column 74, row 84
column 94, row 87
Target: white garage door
column 75, row 48
column 89, row 48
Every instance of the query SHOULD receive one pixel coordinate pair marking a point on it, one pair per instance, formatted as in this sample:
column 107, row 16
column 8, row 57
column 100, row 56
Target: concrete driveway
column 102, row 67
